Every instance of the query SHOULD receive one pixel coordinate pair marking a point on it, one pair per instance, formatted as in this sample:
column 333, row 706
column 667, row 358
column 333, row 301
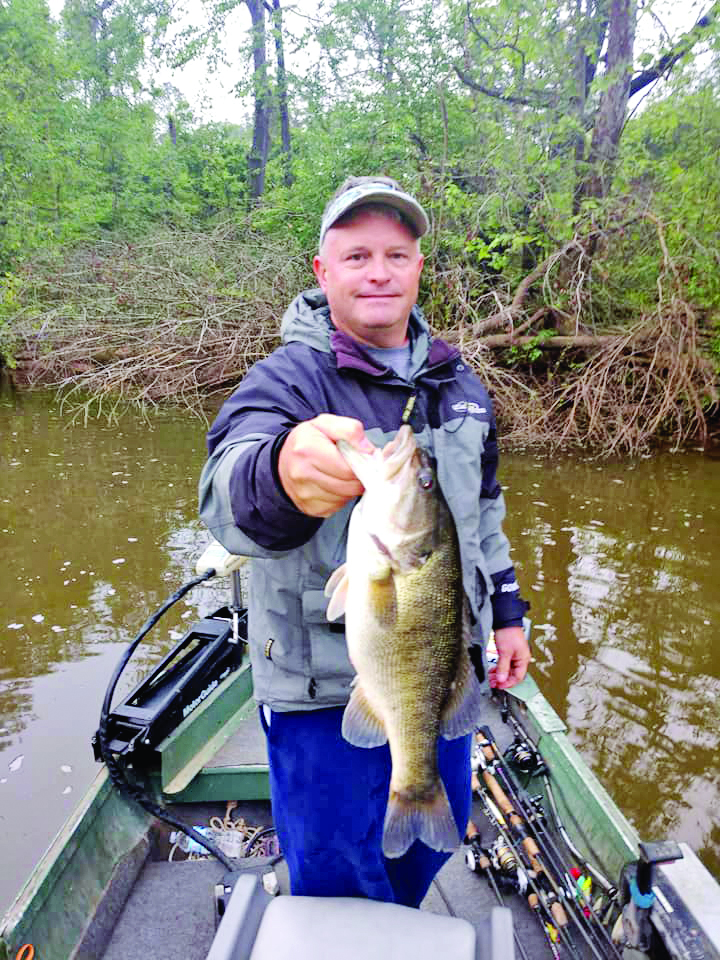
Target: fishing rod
column 595, row 934
column 540, row 879
column 588, row 868
column 553, row 892
column 536, row 899
column 523, row 755
column 479, row 862
column 599, row 944
column 519, row 828
column 539, row 767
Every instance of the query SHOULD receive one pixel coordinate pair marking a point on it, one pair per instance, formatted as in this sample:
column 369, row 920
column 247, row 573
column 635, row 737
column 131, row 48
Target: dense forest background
column 568, row 152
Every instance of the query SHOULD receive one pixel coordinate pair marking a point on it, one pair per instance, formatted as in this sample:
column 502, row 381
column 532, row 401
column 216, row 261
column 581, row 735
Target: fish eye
column 426, row 480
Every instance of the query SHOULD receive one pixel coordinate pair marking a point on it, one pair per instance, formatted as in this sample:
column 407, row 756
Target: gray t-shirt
column 397, row 358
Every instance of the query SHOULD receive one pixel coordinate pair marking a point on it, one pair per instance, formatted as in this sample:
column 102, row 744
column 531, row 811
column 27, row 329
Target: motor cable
column 115, row 770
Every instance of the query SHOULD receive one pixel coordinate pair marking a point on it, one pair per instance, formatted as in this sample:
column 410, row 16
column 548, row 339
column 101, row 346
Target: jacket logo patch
column 468, row 406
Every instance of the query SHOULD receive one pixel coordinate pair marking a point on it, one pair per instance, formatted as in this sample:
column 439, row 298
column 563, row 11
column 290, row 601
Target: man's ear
column 319, row 270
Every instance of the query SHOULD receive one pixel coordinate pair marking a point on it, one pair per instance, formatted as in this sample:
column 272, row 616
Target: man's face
column 369, row 271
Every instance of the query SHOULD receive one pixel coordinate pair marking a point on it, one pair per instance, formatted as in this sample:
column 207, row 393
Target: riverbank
column 179, row 318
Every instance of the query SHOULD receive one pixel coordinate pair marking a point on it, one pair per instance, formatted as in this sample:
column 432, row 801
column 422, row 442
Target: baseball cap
column 357, row 191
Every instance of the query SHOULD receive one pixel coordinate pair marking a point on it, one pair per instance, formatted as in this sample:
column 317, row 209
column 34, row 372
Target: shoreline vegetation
column 568, row 155
column 179, row 317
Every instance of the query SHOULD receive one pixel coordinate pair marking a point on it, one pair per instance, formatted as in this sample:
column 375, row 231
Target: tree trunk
column 613, row 102
column 257, row 158
column 282, row 94
column 589, row 36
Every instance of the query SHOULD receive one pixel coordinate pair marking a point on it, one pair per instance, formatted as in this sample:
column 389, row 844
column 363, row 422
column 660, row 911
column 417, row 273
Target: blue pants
column 329, row 801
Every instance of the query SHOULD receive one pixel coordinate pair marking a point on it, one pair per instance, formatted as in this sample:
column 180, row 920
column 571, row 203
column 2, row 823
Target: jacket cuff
column 507, row 605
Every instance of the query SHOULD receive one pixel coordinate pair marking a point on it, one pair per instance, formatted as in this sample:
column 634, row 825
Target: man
column 357, row 361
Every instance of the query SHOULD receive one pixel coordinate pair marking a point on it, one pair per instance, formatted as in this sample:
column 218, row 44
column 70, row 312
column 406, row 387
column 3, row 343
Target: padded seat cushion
column 345, row 928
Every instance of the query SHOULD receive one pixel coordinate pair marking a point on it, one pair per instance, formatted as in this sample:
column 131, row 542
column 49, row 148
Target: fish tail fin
column 427, row 818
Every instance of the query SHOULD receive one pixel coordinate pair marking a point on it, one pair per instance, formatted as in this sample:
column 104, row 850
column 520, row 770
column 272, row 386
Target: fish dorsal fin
column 465, row 699
column 336, row 588
column 361, row 726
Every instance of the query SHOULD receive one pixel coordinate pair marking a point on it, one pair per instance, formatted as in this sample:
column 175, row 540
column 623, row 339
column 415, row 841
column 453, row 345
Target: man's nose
column 379, row 269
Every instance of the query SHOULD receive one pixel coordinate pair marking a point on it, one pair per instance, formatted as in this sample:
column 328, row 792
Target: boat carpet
column 171, row 911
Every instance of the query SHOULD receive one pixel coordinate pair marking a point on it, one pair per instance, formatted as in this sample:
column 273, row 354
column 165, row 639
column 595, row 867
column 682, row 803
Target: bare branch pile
column 175, row 319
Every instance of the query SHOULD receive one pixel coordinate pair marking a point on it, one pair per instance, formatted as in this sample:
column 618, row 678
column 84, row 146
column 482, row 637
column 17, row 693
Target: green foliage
column 526, row 353
column 671, row 160
column 475, row 107
column 10, row 305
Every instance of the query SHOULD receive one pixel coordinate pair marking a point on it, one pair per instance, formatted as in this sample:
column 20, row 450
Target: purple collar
column 349, row 353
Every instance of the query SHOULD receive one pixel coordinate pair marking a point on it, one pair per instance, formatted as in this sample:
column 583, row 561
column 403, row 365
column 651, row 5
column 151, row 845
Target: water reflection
column 97, row 527
column 619, row 562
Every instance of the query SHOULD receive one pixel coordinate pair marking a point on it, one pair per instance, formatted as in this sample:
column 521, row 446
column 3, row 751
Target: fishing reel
column 522, row 758
column 499, row 859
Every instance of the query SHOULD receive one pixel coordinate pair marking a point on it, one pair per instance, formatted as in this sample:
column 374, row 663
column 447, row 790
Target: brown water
column 98, row 526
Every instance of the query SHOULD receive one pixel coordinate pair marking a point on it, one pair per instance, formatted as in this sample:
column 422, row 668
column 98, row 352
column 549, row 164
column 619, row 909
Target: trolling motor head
column 222, row 563
column 216, row 557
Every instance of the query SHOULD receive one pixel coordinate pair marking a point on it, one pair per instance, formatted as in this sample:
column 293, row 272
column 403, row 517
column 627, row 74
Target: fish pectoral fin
column 427, row 818
column 361, row 726
column 464, row 704
column 337, row 588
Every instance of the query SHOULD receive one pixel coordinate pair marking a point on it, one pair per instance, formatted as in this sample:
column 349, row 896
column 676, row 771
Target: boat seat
column 258, row 927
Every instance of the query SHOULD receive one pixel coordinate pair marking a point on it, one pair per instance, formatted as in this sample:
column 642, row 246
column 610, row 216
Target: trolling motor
column 208, row 652
column 205, row 655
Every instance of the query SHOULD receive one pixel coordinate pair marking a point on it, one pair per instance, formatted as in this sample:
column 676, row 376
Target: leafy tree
column 33, row 116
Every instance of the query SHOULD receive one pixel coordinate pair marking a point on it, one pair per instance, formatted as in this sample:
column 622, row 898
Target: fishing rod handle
column 471, row 831
column 558, row 912
column 499, row 795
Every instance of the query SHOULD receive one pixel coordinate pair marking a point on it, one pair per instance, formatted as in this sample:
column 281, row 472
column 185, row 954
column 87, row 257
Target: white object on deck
column 216, row 557
column 256, row 927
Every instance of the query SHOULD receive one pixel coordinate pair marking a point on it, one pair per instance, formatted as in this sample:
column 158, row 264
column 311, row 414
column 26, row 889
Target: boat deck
column 171, row 912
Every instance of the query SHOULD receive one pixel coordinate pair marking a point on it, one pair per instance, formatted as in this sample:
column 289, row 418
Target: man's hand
column 312, row 470
column 513, row 658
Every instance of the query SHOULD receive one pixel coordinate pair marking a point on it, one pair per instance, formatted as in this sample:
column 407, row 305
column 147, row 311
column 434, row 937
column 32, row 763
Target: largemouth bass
column 407, row 630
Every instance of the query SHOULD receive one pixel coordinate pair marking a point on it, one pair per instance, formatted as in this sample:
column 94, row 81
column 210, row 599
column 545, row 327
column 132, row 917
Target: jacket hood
column 307, row 319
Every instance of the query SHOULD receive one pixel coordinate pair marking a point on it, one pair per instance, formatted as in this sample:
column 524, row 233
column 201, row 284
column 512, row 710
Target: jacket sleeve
column 241, row 499
column 507, row 605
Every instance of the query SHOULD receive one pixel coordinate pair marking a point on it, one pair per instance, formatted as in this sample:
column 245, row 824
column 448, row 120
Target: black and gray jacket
column 299, row 659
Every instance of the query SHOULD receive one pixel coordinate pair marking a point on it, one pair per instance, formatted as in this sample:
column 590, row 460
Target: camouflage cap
column 358, row 191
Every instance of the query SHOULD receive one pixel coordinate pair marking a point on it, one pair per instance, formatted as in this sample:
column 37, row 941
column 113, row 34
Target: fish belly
column 404, row 639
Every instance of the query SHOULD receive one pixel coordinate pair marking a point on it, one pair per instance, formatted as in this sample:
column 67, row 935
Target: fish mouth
column 384, row 463
column 400, row 449
column 381, row 546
